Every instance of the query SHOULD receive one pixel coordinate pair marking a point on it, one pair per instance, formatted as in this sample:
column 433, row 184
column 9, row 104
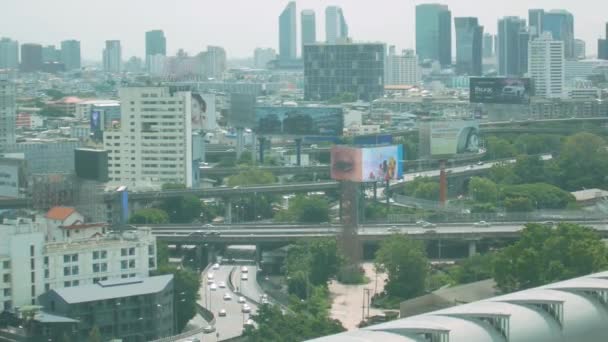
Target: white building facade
column 31, row 263
column 546, row 66
column 153, row 145
column 7, row 110
column 402, row 69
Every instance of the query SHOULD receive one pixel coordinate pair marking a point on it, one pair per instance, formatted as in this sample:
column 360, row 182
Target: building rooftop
column 589, row 194
column 111, row 289
column 60, row 213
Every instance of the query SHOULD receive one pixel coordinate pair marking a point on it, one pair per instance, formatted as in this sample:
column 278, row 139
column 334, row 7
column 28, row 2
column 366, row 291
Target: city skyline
column 190, row 30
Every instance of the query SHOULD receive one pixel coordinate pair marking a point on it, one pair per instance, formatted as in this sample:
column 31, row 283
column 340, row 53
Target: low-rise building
column 133, row 310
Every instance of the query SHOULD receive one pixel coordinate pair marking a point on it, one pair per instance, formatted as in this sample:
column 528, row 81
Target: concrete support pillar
column 472, row 248
column 299, row 151
column 211, row 254
column 228, row 209
column 198, row 255
column 258, row 254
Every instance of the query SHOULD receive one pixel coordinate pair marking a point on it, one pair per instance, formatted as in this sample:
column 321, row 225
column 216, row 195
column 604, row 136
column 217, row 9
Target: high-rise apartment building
column 50, row 54
column 288, row 33
column 546, row 66
column 512, row 47
column 262, row 56
column 469, row 41
column 9, row 54
column 153, row 145
column 309, row 27
column 336, row 28
column 156, row 44
column 434, row 33
column 488, row 45
column 580, row 49
column 112, row 56
column 402, row 69
column 8, row 110
column 535, row 22
column 31, row 57
column 214, row 62
column 358, row 71
column 602, row 46
column 70, row 54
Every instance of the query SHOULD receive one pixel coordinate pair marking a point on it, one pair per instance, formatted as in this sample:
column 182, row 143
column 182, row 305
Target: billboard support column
column 375, row 191
column 228, row 207
column 299, row 151
column 443, row 182
column 387, row 195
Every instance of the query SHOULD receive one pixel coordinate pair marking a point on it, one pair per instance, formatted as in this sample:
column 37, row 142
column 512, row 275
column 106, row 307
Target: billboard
column 299, row 121
column 503, row 90
column 242, row 110
column 203, row 112
column 367, row 164
column 448, row 138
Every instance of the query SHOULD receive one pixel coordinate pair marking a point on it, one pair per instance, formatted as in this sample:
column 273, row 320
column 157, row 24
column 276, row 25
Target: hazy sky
column 241, row 25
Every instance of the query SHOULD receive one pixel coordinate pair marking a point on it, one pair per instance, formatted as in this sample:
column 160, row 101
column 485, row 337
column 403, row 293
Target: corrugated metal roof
column 114, row 289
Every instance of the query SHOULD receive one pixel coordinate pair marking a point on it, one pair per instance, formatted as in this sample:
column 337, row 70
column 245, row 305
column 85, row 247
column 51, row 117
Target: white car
column 244, row 276
column 244, row 269
column 222, row 313
column 241, row 300
column 246, row 308
column 481, row 224
column 249, row 322
column 394, row 229
column 227, row 296
column 210, row 276
column 216, row 266
column 429, row 225
column 213, row 287
column 222, row 285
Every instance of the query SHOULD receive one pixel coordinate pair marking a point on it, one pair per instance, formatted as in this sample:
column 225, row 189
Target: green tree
column 542, row 195
column 162, row 254
column 503, row 173
column 483, row 190
column 54, row 94
column 227, row 162
column 94, row 335
column 246, row 158
column 173, row 186
column 475, row 268
column 543, row 255
column 251, row 176
column 481, row 208
column 518, row 204
column 529, row 169
column 537, row 143
column 406, row 264
column 428, row 191
column 149, row 216
column 305, row 209
column 498, row 148
column 186, row 284
column 183, row 209
column 583, row 159
column 311, row 263
column 343, row 98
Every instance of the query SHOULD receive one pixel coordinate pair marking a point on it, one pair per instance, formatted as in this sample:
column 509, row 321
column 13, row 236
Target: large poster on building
column 448, row 138
column 299, row 121
column 367, row 164
column 504, row 90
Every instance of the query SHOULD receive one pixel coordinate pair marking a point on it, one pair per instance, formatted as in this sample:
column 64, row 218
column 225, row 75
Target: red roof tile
column 60, row 213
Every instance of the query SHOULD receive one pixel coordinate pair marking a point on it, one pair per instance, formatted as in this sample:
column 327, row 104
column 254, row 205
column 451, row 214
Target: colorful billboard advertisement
column 503, row 90
column 448, row 138
column 371, row 164
column 299, row 121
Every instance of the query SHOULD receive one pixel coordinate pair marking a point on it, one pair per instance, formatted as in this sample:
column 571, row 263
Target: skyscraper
column 535, row 21
column 112, row 56
column 469, row 35
column 488, row 45
column 156, row 44
column 336, row 27
column 580, row 49
column 358, row 71
column 434, row 33
column 9, row 54
column 401, row 69
column 261, row 57
column 70, row 54
column 602, row 46
column 561, row 25
column 546, row 66
column 214, row 62
column 309, row 29
column 288, row 33
column 31, row 57
column 512, row 36
column 7, row 110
